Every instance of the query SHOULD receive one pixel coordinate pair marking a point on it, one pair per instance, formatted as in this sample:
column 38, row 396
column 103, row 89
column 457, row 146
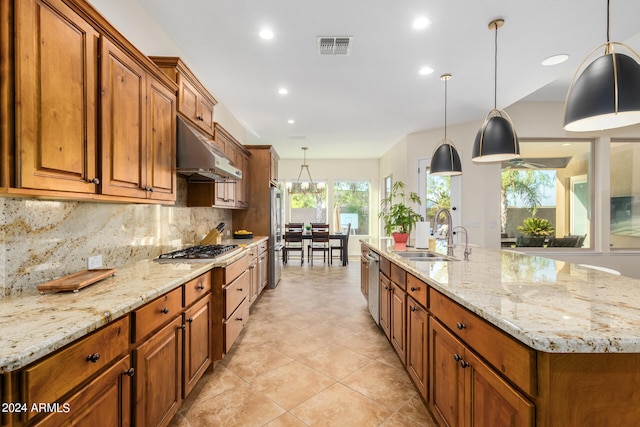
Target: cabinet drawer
column 417, row 289
column 234, row 324
column 263, row 246
column 385, row 266
column 156, row 314
column 511, row 358
column 237, row 291
column 399, row 276
column 197, row 288
column 53, row 377
column 236, row 269
column 253, row 251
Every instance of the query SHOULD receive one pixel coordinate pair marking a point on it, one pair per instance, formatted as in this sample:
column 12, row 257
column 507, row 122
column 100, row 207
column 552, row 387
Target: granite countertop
column 33, row 325
column 551, row 306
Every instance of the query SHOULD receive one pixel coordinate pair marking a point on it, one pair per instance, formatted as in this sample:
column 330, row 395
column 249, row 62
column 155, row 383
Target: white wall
column 480, row 208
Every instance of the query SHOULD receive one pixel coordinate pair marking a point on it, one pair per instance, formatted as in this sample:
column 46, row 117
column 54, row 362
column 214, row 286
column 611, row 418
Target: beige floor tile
column 334, row 361
column 398, row 420
column 286, row 420
column 372, row 345
column 248, row 362
column 339, row 406
column 416, row 410
column 391, row 358
column 240, row 406
column 383, row 383
column 291, row 384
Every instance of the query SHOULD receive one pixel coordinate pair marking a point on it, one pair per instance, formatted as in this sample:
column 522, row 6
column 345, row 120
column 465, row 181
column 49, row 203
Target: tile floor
column 310, row 356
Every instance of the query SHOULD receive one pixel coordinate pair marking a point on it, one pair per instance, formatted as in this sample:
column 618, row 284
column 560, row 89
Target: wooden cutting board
column 76, row 281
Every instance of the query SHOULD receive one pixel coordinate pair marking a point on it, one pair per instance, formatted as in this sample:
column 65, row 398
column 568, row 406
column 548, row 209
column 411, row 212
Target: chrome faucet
column 450, row 244
column 467, row 249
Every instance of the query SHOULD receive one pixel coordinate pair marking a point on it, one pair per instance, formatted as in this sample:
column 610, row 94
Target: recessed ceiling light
column 291, row 121
column 421, row 23
column 283, row 91
column 266, row 34
column 555, row 60
column 425, row 71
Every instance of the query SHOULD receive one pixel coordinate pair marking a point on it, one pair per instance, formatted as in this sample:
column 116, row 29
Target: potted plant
column 536, row 230
column 399, row 218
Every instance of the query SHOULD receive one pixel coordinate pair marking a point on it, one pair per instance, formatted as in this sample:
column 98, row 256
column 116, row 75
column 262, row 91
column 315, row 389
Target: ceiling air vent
column 334, row 45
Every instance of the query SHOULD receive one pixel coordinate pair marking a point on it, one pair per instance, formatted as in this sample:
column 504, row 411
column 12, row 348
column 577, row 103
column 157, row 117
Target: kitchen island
column 560, row 340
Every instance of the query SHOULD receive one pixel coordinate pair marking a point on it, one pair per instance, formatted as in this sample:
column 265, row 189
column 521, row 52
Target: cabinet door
column 242, row 192
column 364, row 276
column 254, row 279
column 385, row 305
column 197, row 343
column 205, row 110
column 158, row 366
column 417, row 340
column 491, row 401
column 263, row 271
column 446, row 380
column 123, row 123
column 224, row 194
column 188, row 99
column 105, row 401
column 399, row 321
column 56, row 78
column 160, row 164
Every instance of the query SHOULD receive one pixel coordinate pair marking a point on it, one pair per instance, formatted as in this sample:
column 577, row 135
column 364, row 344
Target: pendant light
column 445, row 160
column 496, row 140
column 302, row 185
column 607, row 93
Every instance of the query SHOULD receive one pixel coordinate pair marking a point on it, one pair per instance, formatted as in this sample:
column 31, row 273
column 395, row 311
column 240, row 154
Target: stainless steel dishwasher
column 374, row 285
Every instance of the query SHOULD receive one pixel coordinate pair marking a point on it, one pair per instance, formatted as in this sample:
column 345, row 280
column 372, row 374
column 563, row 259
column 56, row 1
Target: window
column 351, row 206
column 551, row 181
column 625, row 194
column 438, row 192
column 308, row 207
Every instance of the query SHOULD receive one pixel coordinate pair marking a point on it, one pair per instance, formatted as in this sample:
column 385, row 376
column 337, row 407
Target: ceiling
column 359, row 105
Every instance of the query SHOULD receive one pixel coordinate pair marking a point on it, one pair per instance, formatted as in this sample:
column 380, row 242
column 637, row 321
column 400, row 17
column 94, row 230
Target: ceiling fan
column 520, row 164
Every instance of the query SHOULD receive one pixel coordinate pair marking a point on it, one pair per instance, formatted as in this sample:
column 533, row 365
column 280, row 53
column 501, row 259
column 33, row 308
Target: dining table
column 342, row 236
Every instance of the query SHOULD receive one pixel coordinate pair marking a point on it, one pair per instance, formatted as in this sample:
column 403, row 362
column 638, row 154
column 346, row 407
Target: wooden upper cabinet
column 161, row 129
column 124, row 142
column 56, row 82
column 138, row 129
column 194, row 101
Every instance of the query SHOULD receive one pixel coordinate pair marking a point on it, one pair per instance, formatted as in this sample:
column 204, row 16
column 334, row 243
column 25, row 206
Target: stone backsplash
column 41, row 240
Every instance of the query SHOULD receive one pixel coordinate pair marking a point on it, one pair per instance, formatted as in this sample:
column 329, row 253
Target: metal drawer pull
column 463, row 364
column 190, row 320
column 130, row 372
column 239, row 319
column 460, row 325
column 414, row 289
column 457, row 357
column 93, row 358
column 413, row 308
column 183, row 327
column 239, row 289
column 200, row 286
column 164, row 311
column 94, row 181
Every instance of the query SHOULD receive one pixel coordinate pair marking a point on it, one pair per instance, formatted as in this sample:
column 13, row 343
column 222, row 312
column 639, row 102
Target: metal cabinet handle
column 130, row 372
column 460, row 326
column 200, row 286
column 183, row 327
column 457, row 357
column 239, row 289
column 239, row 319
column 413, row 309
column 94, row 181
column 414, row 289
column 164, row 311
column 190, row 320
column 93, row 358
column 463, row 364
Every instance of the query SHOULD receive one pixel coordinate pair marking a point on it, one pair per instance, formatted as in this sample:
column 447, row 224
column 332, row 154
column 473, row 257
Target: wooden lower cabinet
column 464, row 391
column 105, row 401
column 385, row 305
column 158, row 376
column 417, row 345
column 364, row 272
column 197, row 343
column 398, row 325
column 254, row 278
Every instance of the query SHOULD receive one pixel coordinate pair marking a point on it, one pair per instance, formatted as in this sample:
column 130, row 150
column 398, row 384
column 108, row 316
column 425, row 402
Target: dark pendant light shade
column 496, row 141
column 606, row 95
column 445, row 160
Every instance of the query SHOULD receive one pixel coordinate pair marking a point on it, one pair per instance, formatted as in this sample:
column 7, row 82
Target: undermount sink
column 423, row 256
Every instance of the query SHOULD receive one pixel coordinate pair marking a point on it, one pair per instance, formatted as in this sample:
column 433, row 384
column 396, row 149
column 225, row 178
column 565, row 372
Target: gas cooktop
column 200, row 253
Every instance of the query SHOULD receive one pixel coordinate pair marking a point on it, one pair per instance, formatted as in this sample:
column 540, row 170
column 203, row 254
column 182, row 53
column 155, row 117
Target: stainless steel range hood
column 199, row 158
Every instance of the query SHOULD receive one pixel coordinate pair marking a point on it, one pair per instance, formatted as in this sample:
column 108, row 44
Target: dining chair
column 293, row 242
column 342, row 243
column 319, row 243
column 319, row 226
column 294, row 226
column 562, row 242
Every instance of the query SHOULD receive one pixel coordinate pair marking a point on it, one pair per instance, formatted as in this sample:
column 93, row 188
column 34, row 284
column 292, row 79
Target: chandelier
column 305, row 185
